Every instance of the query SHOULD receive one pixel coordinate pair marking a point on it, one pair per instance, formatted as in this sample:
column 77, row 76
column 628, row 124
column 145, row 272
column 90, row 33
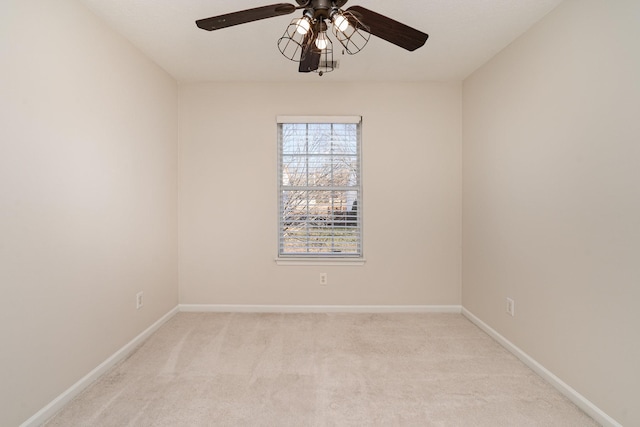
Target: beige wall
column 411, row 195
column 551, row 198
column 88, row 198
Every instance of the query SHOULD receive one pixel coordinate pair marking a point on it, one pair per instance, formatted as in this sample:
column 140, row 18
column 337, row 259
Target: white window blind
column 319, row 187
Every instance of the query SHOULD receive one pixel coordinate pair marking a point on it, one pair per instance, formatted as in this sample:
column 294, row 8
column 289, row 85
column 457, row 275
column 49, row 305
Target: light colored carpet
column 245, row 369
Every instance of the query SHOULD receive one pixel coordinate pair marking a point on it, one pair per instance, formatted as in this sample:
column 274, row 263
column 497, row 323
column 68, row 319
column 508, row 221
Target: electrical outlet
column 323, row 279
column 139, row 301
column 511, row 307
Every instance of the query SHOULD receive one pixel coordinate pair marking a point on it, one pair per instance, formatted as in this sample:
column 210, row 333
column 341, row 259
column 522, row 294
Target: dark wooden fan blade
column 244, row 16
column 310, row 55
column 310, row 59
column 392, row 31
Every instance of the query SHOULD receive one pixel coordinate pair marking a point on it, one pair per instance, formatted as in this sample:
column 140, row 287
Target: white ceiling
column 463, row 35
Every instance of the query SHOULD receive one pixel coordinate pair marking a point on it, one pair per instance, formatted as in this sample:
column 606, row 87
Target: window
column 319, row 187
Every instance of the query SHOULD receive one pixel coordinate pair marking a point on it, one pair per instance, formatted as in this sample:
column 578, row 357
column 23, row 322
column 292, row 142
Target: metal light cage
column 326, row 58
column 292, row 43
column 352, row 38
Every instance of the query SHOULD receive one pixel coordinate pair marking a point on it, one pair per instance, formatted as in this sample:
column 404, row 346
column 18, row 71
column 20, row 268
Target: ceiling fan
column 305, row 39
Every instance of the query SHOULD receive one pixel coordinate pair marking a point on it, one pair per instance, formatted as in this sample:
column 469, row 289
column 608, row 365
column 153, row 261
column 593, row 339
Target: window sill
column 320, row 261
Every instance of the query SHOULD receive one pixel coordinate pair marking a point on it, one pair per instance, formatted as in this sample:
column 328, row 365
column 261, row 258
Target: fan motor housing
column 322, row 8
column 305, row 3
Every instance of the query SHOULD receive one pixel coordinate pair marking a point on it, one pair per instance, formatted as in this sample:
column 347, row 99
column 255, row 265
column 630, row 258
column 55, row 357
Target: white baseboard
column 56, row 404
column 231, row 308
column 583, row 403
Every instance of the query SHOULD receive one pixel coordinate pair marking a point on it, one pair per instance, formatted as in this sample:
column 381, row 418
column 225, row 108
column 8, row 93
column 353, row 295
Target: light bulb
column 303, row 26
column 340, row 22
column 321, row 41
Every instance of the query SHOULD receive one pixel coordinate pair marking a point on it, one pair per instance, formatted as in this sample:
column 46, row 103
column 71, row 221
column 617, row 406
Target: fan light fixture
column 297, row 35
column 303, row 25
column 339, row 21
column 305, row 39
column 322, row 41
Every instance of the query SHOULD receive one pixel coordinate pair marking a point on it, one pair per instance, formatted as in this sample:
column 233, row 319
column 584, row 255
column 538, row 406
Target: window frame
column 320, row 258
